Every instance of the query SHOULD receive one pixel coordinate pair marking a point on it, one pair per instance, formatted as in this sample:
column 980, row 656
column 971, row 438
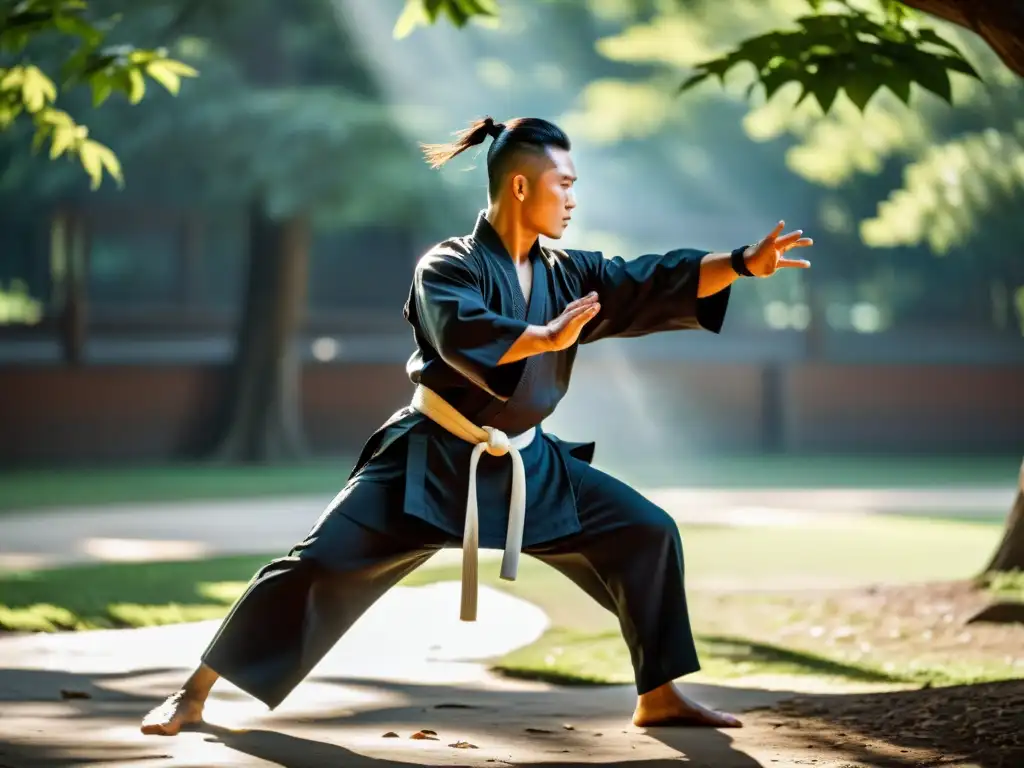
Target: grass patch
column 1007, row 586
column 35, row 489
column 40, row 489
column 812, row 471
column 123, row 594
column 883, row 550
column 569, row 657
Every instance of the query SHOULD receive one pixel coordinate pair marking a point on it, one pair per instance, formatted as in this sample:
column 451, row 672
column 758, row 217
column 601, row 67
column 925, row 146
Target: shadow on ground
column 341, row 722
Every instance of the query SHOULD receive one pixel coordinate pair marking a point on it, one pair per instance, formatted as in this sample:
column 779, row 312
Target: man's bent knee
column 656, row 527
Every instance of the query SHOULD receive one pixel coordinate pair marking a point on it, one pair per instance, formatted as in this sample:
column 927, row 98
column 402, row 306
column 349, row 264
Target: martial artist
column 497, row 320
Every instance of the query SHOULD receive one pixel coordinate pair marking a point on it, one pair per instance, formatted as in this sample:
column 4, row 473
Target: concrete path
column 407, row 665
column 186, row 530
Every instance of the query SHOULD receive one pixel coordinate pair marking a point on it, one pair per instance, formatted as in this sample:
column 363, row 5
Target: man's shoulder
column 452, row 252
column 570, row 258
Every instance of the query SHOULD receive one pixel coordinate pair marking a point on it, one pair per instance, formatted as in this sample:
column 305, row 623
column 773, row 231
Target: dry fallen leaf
column 463, row 745
column 425, row 734
column 537, row 730
column 390, row 735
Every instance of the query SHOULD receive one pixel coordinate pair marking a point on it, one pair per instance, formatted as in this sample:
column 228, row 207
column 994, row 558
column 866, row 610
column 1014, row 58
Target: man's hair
column 511, row 139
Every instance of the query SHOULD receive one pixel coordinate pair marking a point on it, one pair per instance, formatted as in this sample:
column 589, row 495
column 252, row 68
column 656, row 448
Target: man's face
column 549, row 197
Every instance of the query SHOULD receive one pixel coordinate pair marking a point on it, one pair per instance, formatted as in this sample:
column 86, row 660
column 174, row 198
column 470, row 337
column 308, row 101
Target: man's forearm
column 716, row 274
column 533, row 341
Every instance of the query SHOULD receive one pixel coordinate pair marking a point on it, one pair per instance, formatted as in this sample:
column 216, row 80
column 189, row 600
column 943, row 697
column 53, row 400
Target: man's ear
column 520, row 187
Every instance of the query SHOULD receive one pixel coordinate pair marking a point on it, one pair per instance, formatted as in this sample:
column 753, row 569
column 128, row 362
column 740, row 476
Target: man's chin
column 556, row 232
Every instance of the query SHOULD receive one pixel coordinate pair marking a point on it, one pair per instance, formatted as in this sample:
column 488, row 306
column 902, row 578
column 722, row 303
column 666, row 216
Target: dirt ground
column 980, row 725
column 903, row 635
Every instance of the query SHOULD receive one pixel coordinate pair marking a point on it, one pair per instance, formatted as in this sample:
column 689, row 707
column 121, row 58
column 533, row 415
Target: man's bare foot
column 178, row 710
column 666, row 706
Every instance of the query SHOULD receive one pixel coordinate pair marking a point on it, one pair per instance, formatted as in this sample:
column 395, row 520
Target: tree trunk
column 263, row 408
column 69, row 256
column 1010, row 554
column 1000, row 23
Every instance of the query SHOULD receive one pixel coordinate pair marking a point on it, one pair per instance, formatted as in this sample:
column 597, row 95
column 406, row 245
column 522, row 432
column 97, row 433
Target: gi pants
column 628, row 556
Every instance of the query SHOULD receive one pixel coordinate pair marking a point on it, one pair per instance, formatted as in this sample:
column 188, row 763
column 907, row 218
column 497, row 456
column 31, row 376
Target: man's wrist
column 739, row 262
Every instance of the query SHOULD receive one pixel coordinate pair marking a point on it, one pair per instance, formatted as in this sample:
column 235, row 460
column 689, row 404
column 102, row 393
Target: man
column 497, row 321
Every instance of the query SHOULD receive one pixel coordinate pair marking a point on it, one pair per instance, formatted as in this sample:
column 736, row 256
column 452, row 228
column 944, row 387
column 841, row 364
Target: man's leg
column 297, row 607
column 629, row 557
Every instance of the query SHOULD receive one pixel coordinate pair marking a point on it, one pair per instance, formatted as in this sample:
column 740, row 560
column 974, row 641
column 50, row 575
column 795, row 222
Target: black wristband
column 739, row 264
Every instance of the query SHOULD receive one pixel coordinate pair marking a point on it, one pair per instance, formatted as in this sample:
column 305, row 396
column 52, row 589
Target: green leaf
column 91, row 162
column 180, row 68
column 8, row 114
column 693, row 80
column 825, row 88
column 861, row 87
column 54, row 117
column 931, row 74
column 101, row 89
column 166, row 77
column 961, row 65
column 37, row 89
column 898, row 82
column 432, row 9
column 63, row 139
column 78, row 27
column 411, row 17
column 927, row 35
column 12, row 78
column 110, row 162
column 137, row 89
column 39, row 138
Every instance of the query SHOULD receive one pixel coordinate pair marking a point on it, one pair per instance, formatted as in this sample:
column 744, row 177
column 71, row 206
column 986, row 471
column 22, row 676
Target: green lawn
column 30, row 489
column 738, row 634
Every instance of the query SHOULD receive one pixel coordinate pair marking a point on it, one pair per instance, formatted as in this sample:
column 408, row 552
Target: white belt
column 496, row 443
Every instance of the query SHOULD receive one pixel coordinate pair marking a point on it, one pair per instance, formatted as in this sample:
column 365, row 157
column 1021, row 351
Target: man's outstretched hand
column 768, row 255
column 563, row 331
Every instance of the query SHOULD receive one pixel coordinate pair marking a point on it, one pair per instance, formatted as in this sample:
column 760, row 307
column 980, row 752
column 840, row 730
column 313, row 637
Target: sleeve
column 467, row 335
column 651, row 293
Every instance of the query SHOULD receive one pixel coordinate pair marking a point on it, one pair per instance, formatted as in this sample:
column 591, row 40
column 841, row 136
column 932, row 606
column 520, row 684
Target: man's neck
column 518, row 241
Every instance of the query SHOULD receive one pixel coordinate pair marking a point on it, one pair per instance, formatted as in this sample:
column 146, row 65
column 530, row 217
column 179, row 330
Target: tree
column 846, row 48
column 286, row 120
column 284, row 123
column 858, row 49
column 36, row 28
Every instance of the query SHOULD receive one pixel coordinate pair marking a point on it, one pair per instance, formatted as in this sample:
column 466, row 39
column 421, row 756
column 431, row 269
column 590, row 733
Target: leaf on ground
column 69, row 694
column 424, row 735
column 390, row 735
column 463, row 745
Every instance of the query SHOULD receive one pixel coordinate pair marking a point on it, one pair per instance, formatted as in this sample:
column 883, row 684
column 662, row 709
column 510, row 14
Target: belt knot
column 497, row 442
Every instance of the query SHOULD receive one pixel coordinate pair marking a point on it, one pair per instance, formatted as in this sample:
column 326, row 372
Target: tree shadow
column 748, row 650
column 94, row 730
column 296, row 752
column 519, row 715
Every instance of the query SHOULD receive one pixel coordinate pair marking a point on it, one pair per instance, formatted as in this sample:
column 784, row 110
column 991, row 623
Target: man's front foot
column 666, row 706
column 178, row 710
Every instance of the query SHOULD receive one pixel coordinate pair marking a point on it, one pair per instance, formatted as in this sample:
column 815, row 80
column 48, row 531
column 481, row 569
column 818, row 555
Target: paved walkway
column 375, row 681
column 186, row 530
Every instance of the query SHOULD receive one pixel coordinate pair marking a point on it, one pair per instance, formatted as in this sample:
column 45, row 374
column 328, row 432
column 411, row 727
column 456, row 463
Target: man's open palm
column 768, row 255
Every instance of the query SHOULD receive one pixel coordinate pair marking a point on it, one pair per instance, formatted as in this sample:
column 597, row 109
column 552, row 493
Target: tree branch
column 1000, row 23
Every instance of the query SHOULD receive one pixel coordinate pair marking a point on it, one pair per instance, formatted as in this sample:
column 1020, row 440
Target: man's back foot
column 177, row 710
